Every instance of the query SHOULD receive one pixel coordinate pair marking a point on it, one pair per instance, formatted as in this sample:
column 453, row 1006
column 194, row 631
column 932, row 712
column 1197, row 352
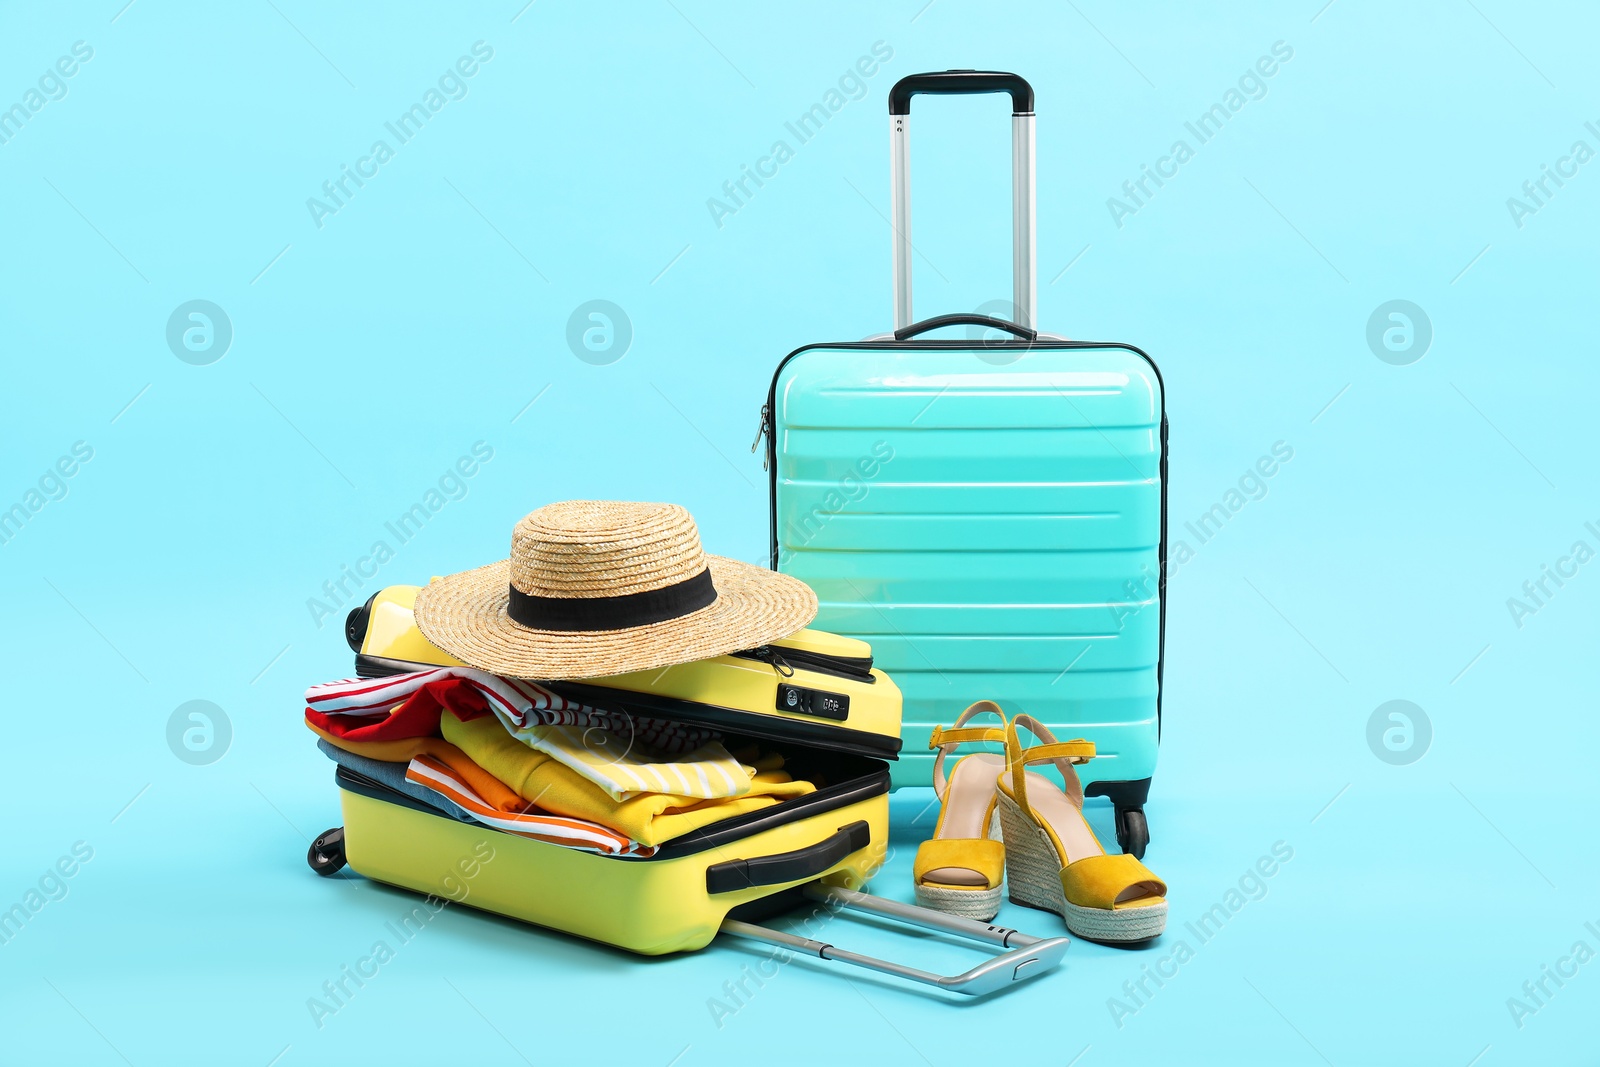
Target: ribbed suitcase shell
column 991, row 517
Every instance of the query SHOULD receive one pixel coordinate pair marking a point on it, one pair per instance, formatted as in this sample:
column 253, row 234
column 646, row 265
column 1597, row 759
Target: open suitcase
column 815, row 696
column 989, row 514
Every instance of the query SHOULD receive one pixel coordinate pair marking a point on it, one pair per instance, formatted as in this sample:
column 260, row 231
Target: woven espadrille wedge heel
column 1053, row 859
column 959, row 871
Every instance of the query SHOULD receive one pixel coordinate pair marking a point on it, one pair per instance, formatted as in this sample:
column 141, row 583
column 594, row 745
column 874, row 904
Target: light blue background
column 427, row 314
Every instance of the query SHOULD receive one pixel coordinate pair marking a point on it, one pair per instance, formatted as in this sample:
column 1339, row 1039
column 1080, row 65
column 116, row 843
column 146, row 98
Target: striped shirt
column 581, row 834
column 625, row 755
column 515, row 701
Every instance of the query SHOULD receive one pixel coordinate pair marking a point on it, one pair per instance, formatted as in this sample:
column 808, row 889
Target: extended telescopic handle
column 1025, row 957
column 963, row 82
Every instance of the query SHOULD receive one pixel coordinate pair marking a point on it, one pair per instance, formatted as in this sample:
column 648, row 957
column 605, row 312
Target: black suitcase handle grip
column 962, row 83
column 796, row 866
column 355, row 624
column 905, row 333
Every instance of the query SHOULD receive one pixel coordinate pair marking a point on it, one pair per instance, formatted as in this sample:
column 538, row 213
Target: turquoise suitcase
column 989, row 514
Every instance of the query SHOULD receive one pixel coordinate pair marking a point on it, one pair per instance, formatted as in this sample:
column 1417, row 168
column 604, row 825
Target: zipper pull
column 771, row 655
column 761, row 431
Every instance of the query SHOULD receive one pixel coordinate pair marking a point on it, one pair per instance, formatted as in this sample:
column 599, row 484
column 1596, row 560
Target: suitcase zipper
column 786, row 660
column 768, row 654
column 818, row 734
column 761, row 431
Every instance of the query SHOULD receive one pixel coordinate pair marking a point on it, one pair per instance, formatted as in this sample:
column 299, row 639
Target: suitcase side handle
column 800, row 865
column 962, row 83
column 905, row 333
column 1024, row 288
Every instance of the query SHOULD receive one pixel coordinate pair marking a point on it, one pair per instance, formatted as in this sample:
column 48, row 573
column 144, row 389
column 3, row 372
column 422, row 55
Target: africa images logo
column 851, row 85
column 51, row 86
column 1252, row 85
column 453, row 484
column 452, row 85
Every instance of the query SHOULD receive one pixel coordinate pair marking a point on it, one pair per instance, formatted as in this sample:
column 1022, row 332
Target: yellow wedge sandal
column 1053, row 859
column 959, row 871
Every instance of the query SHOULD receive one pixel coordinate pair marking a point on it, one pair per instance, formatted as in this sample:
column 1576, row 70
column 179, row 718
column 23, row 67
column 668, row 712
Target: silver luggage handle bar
column 1024, row 288
column 1029, row 956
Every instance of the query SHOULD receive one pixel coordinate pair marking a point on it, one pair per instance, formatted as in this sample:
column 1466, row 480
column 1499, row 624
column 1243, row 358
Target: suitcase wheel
column 326, row 855
column 1133, row 832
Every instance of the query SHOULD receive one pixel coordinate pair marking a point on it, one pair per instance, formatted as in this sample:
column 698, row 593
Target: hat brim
column 465, row 615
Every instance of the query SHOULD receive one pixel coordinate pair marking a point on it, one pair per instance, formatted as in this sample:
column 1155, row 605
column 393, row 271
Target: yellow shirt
column 649, row 818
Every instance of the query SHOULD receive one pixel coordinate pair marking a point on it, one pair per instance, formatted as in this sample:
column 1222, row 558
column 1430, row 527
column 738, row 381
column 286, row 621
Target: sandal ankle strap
column 1077, row 751
column 1064, row 754
column 946, row 738
column 942, row 736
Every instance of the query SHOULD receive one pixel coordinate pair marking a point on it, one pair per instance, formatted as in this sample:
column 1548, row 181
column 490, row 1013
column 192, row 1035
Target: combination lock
column 802, row 701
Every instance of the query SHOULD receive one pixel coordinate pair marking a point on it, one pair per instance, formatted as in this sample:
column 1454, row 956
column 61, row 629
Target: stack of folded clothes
column 511, row 754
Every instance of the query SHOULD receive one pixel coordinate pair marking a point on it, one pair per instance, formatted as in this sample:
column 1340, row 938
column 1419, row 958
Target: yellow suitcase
column 814, row 695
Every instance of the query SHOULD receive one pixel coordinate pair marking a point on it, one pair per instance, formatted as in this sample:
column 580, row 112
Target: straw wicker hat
column 597, row 587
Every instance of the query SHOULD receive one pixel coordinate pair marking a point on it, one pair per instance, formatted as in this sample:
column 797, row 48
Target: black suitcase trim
column 817, row 735
column 873, row 783
column 735, row 720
